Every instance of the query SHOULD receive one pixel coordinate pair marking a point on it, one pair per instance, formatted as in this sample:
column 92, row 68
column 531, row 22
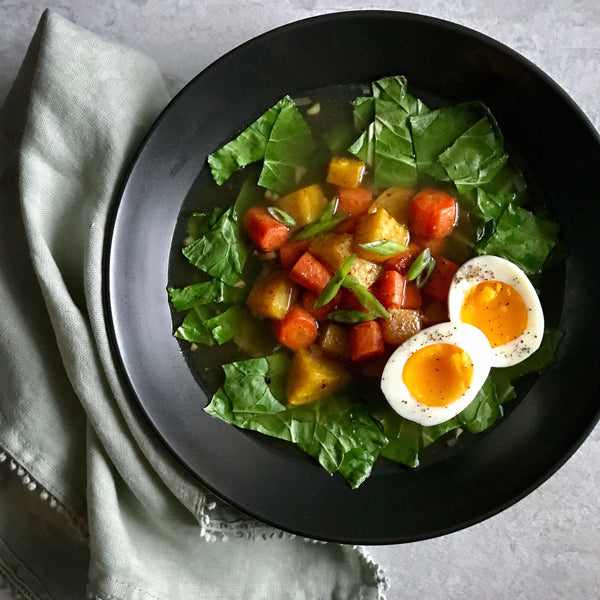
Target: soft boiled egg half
column 496, row 296
column 437, row 373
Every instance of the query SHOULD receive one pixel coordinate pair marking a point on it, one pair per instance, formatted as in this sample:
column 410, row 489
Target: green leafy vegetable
column 364, row 147
column 364, row 112
column 221, row 251
column 365, row 297
column 224, row 326
column 335, row 283
column 476, row 156
column 281, row 216
column 205, row 292
column 248, row 147
column 394, row 157
column 200, row 223
column 384, row 247
column 522, row 238
column 395, row 89
column 337, row 431
column 288, row 150
column 435, row 131
column 193, row 328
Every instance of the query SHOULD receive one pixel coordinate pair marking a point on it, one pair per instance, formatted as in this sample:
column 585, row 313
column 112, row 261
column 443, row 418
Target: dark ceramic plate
column 271, row 480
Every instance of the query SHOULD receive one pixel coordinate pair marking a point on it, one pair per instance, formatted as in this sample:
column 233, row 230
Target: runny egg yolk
column 438, row 374
column 497, row 309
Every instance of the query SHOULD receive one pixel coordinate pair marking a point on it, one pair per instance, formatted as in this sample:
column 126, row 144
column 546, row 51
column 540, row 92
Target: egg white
column 465, row 336
column 485, row 268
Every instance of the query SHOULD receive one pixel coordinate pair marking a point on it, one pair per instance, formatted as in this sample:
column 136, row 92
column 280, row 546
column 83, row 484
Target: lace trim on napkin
column 33, row 485
column 11, row 583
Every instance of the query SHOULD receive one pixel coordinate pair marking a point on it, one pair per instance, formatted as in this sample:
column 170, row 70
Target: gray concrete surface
column 547, row 546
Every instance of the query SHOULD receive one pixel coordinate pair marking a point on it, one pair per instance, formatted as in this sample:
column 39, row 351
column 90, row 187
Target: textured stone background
column 547, row 546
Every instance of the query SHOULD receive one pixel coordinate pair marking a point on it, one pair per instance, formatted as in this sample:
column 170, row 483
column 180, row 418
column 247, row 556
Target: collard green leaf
column 364, row 147
column 475, row 157
column 205, row 292
column 221, row 252
column 288, row 150
column 336, row 431
column 200, row 223
column 435, row 131
column 248, row 147
column 395, row 89
column 224, row 326
column 248, row 384
column 364, row 112
column 404, row 437
column 522, row 238
column 394, row 157
column 193, row 329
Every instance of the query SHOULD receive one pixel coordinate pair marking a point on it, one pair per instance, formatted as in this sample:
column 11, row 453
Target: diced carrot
column 297, row 329
column 354, row 201
column 291, row 251
column 432, row 213
column 438, row 285
column 401, row 262
column 366, row 340
column 310, row 273
column 412, row 296
column 391, row 289
column 264, row 230
column 308, row 302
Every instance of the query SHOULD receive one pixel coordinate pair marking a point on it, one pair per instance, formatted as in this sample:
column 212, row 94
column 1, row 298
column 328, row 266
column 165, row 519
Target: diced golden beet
column 396, row 200
column 304, row 205
column 271, row 296
column 379, row 225
column 347, row 172
column 312, row 376
column 333, row 248
column 334, row 341
column 402, row 324
column 366, row 272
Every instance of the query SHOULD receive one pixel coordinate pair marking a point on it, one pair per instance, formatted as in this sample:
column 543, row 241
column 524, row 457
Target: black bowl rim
column 108, row 253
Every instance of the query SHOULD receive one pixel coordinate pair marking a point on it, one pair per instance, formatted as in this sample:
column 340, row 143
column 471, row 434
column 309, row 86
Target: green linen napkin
column 90, row 501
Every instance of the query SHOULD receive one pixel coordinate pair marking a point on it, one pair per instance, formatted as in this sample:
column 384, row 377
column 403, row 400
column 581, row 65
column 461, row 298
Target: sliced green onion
column 331, row 289
column 319, row 227
column 350, row 316
column 365, row 297
column 281, row 216
column 422, row 268
column 384, row 247
column 329, row 210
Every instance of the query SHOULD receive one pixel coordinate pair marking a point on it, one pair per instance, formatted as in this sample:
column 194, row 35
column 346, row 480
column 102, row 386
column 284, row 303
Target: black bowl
column 271, row 480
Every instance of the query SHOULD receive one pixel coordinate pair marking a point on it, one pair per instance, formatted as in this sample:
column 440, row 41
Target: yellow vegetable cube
column 313, row 376
column 304, row 205
column 333, row 248
column 402, row 324
column 271, row 296
column 396, row 200
column 334, row 341
column 346, row 172
column 375, row 226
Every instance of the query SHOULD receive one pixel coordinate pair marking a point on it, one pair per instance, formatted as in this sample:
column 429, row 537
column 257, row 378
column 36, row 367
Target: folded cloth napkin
column 90, row 501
